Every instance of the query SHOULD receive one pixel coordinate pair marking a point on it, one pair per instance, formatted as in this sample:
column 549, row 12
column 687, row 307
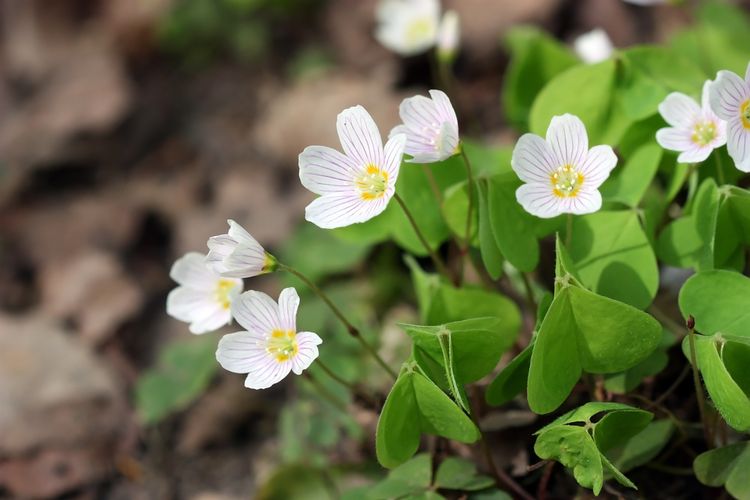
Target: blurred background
column 130, row 130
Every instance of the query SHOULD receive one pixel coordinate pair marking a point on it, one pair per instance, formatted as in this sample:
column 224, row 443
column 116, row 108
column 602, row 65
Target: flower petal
column 695, row 154
column 539, row 200
column 239, row 352
column 444, row 107
column 599, row 162
column 267, row 373
column 586, row 201
column 332, row 211
column 727, row 93
column 533, row 160
column 256, row 312
column 674, row 139
column 324, row 170
column 392, row 157
column 211, row 322
column 738, row 145
column 288, row 304
column 679, row 110
column 360, row 137
column 568, row 140
column 240, row 235
column 191, row 270
column 307, row 343
column 185, row 303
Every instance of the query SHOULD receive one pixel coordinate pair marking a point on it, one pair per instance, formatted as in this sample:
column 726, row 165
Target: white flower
column 449, row 35
column 561, row 174
column 237, row 254
column 271, row 347
column 357, row 185
column 729, row 96
column 408, row 27
column 431, row 127
column 594, row 46
column 695, row 129
column 203, row 298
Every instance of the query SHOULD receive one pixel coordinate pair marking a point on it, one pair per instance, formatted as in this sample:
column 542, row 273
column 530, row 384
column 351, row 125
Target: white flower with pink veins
column 431, row 127
column 561, row 174
column 729, row 96
column 271, row 346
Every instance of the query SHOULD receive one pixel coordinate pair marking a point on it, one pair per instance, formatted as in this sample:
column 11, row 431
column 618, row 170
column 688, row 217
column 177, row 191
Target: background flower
column 594, row 46
column 430, row 126
column 695, row 129
column 270, row 347
column 203, row 298
column 357, row 185
column 408, row 27
column 561, row 174
column 729, row 97
column 237, row 254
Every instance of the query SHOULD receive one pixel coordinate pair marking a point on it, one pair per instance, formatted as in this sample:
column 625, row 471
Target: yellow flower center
column 223, row 291
column 419, row 29
column 282, row 345
column 745, row 114
column 372, row 183
column 704, row 133
column 566, row 181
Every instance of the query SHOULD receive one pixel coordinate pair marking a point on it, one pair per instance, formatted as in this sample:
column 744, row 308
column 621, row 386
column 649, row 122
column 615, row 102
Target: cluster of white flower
column 411, row 27
column 722, row 117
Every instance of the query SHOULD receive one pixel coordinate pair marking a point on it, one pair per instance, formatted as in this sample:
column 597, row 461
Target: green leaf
column 719, row 301
column 460, row 474
column 614, row 258
column 624, row 382
column 455, row 211
column 726, row 467
column 411, row 477
column 629, row 184
column 689, row 241
column 184, row 370
column 604, row 118
column 417, row 406
column 536, row 57
column 512, row 226
column 295, row 481
column 489, row 494
column 642, row 447
column 511, row 380
column 583, row 331
column 579, row 447
column 492, row 258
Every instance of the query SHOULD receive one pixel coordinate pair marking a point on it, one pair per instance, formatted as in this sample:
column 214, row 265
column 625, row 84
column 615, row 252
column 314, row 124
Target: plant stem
column 697, row 383
column 325, row 392
column 353, row 388
column 529, row 293
column 469, row 213
column 353, row 331
column 433, row 184
column 433, row 255
column 569, row 231
column 719, row 168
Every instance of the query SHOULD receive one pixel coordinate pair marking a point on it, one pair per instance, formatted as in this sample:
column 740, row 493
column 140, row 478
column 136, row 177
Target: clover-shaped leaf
column 459, row 474
column 632, row 181
column 492, row 258
column 417, row 406
column 728, row 467
column 579, row 443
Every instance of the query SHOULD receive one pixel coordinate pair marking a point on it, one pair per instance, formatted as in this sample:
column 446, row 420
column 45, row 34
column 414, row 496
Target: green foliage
column 629, row 183
column 581, row 447
column 184, row 370
column 416, row 406
column 536, row 57
column 728, row 467
column 295, row 481
column 642, row 447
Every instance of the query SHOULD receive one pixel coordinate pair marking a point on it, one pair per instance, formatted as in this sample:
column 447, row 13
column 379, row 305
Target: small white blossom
column 695, row 129
column 561, row 174
column 271, row 346
column 430, row 126
column 357, row 185
column 203, row 298
column 729, row 96
column 237, row 254
column 449, row 35
column 593, row 47
column 408, row 27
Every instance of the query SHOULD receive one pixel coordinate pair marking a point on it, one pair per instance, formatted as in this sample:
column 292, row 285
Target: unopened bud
column 690, row 322
column 448, row 36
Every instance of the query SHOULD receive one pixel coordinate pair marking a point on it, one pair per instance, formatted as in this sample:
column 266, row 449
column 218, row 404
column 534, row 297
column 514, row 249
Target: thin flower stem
column 439, row 264
column 433, row 183
column 697, row 383
column 569, row 231
column 719, row 168
column 352, row 388
column 325, row 392
column 529, row 293
column 469, row 213
column 353, row 331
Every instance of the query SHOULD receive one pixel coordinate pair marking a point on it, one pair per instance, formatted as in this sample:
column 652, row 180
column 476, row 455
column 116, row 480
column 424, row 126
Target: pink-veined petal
column 307, row 343
column 726, row 94
column 599, row 162
column 392, row 157
column 185, row 303
column 330, row 211
column 256, row 312
column 239, row 352
column 288, row 304
column 674, row 139
column 444, row 107
column 539, row 200
column 240, row 235
column 533, row 160
column 588, row 200
column 324, row 170
column 679, row 110
column 738, row 145
column 359, row 136
column 568, row 140
column 695, row 154
column 191, row 270
column 268, row 373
